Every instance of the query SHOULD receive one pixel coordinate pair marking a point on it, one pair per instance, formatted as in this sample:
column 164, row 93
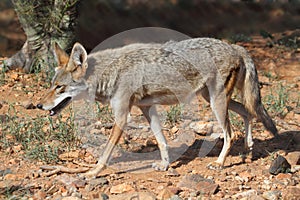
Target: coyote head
column 68, row 81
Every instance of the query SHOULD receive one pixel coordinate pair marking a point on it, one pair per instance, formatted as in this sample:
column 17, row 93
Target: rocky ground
column 38, row 153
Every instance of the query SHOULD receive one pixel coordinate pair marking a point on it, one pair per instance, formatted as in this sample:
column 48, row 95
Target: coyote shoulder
column 147, row 74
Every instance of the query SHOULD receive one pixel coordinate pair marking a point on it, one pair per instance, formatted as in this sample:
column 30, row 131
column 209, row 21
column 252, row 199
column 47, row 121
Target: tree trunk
column 44, row 22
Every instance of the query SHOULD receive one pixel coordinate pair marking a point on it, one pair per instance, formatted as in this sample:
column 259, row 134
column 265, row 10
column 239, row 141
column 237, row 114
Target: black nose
column 39, row 106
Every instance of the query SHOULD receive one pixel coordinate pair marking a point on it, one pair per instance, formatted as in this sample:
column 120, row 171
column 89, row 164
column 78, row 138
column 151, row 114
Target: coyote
column 147, row 74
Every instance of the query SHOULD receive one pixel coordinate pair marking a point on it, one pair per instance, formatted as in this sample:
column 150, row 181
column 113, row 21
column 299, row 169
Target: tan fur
column 169, row 73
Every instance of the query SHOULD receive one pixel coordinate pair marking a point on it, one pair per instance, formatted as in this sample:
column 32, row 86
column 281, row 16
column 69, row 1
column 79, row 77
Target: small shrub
column 277, row 100
column 174, row 114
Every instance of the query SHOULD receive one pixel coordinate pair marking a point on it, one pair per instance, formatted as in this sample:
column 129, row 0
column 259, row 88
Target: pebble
column 98, row 196
column 165, row 194
column 247, row 193
column 283, row 176
column 175, row 197
column 28, row 104
column 271, row 195
column 198, row 183
column 202, row 128
column 245, row 176
column 97, row 182
column 135, row 195
column 71, row 198
column 291, row 193
column 293, row 158
column 172, row 172
column 121, row 188
column 174, row 129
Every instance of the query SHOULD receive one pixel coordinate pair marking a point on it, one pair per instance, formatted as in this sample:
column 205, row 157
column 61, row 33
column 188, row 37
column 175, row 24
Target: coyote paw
column 161, row 166
column 215, row 166
column 91, row 174
column 247, row 158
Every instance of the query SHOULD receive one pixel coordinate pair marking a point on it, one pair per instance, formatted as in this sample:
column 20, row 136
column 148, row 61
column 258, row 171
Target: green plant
column 2, row 73
column 174, row 114
column 266, row 34
column 236, row 121
column 291, row 41
column 240, row 38
column 277, row 101
column 104, row 113
column 269, row 75
column 41, row 138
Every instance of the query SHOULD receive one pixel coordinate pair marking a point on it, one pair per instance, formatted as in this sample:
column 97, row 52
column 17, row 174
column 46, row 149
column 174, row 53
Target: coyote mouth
column 60, row 106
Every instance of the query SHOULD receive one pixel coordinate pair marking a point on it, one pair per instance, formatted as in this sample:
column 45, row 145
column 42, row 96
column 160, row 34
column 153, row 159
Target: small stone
column 40, row 195
column 202, row 128
column 281, row 176
column 279, row 165
column 17, row 148
column 253, row 197
column 95, row 183
column 291, row 193
column 14, row 76
column 175, row 197
column 121, row 188
column 71, row 198
column 11, row 177
column 197, row 182
column 174, row 129
column 96, row 131
column 69, row 156
column 98, row 196
column 189, row 181
column 175, row 190
column 172, row 172
column 164, row 194
column 271, row 195
column 135, row 195
column 293, row 158
column 247, row 193
column 79, row 183
column 207, row 187
column 28, row 104
column 245, row 176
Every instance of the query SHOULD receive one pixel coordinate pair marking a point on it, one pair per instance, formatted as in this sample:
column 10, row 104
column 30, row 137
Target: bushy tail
column 251, row 92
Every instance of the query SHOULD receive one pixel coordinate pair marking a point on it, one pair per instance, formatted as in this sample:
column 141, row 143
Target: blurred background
column 99, row 19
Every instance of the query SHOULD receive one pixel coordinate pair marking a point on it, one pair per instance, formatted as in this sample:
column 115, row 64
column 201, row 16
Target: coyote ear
column 62, row 57
column 78, row 61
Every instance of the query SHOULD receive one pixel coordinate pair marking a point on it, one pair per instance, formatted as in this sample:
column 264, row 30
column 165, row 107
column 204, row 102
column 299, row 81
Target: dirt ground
column 23, row 177
column 188, row 177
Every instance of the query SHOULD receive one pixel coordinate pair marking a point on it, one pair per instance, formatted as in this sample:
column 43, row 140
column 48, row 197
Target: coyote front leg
column 101, row 164
column 151, row 115
column 120, row 110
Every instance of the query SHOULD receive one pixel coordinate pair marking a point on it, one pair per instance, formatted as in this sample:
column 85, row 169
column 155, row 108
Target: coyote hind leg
column 220, row 96
column 247, row 117
column 240, row 110
column 151, row 115
column 221, row 113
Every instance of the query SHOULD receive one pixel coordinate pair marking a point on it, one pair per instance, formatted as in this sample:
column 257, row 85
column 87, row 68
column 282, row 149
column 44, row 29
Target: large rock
column 280, row 165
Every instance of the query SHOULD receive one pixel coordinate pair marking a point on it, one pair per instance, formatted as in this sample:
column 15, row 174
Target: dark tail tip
column 268, row 123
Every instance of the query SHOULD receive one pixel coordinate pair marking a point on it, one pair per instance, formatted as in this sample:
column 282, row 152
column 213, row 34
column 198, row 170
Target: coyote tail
column 251, row 92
